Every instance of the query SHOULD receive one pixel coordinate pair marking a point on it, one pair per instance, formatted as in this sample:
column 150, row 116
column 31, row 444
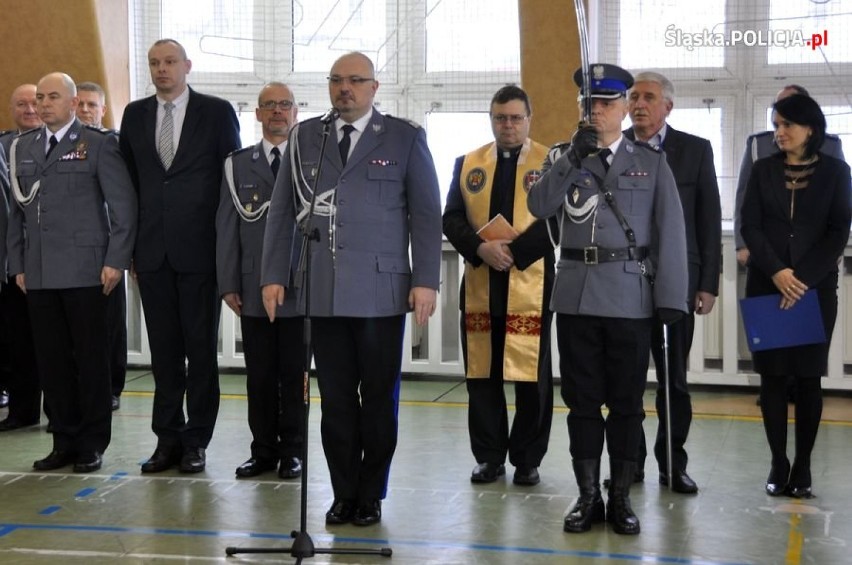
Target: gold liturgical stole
column 526, row 288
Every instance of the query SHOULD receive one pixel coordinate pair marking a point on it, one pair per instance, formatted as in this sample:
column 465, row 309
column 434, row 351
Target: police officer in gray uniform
column 378, row 197
column 274, row 353
column 63, row 178
column 622, row 257
column 17, row 357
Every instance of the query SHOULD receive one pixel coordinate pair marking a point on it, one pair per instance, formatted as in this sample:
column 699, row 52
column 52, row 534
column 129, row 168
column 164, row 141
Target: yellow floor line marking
column 795, row 540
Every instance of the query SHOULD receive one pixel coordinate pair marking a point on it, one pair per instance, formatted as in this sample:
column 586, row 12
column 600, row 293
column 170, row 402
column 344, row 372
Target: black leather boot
column 589, row 508
column 618, row 510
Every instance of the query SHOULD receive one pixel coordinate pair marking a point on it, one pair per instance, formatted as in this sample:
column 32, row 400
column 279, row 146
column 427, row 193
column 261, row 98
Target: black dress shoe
column 341, row 512
column 10, row 424
column 88, row 462
column 4, row 399
column 681, row 482
column 164, row 457
column 254, row 467
column 368, row 513
column 779, row 475
column 194, row 460
column 115, row 403
column 487, row 472
column 800, row 481
column 56, row 459
column 290, row 468
column 526, row 476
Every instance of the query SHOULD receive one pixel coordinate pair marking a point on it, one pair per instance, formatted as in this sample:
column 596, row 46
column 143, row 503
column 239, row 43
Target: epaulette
column 412, row 123
column 240, row 150
column 29, row 132
column 560, row 144
column 103, row 130
column 7, row 132
column 647, row 146
column 832, row 136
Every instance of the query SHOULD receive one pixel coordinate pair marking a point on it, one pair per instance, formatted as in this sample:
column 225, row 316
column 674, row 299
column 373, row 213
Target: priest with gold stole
column 508, row 277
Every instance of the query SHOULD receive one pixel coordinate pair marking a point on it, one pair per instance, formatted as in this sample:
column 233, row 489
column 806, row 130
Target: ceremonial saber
column 668, row 406
column 582, row 29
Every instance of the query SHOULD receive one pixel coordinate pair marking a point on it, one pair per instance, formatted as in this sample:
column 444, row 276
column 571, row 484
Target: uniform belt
column 593, row 255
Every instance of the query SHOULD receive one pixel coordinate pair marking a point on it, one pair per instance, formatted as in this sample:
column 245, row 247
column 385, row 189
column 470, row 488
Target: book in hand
column 498, row 228
column 767, row 326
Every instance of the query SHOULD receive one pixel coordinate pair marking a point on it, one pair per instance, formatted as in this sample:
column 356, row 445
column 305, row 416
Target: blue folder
column 767, row 326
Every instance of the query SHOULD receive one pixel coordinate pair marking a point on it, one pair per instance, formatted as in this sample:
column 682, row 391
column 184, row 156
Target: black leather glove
column 583, row 143
column 669, row 315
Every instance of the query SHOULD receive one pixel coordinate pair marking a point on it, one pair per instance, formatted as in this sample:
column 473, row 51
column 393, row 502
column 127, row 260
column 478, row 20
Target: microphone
column 330, row 116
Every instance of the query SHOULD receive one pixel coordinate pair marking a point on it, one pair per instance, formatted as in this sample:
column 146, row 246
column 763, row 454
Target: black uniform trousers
column 275, row 358
column 19, row 355
column 117, row 336
column 358, row 364
column 680, row 342
column 182, row 316
column 603, row 361
column 488, row 423
column 70, row 334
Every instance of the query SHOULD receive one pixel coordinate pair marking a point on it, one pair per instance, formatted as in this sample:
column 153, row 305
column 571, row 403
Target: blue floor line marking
column 50, row 510
column 6, row 529
column 85, row 492
column 118, row 475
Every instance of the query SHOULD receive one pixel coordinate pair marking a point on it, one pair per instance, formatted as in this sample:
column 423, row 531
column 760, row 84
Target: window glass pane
column 839, row 122
column 323, row 30
column 451, row 135
column 823, row 26
column 218, row 34
column 669, row 33
column 474, row 35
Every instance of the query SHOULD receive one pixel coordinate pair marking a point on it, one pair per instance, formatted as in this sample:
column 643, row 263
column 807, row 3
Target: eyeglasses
column 272, row 104
column 353, row 80
column 514, row 119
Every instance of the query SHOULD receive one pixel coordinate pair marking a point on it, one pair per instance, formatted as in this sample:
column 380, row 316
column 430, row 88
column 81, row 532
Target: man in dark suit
column 274, row 353
column 16, row 342
column 68, row 254
column 378, row 194
column 690, row 158
column 175, row 143
column 91, row 110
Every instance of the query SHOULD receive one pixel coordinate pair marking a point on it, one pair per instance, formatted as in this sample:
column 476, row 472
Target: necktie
column 167, row 143
column 603, row 154
column 51, row 144
column 276, row 161
column 345, row 143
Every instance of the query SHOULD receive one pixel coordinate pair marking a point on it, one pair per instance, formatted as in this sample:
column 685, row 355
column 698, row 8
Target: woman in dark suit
column 795, row 220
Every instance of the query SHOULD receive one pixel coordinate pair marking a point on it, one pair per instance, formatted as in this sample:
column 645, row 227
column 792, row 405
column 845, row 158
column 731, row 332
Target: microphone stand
column 303, row 545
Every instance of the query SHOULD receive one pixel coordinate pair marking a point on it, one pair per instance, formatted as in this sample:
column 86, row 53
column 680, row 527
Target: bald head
column 56, row 94
column 23, row 108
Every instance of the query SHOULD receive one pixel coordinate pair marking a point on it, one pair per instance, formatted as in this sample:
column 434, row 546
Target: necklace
column 805, row 170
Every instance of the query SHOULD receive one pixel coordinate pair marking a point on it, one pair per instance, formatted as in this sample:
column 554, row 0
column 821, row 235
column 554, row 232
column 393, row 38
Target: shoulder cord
column 16, row 187
column 325, row 202
column 252, row 216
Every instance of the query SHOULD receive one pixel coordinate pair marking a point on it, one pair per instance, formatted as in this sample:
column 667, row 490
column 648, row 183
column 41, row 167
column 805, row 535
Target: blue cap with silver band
column 606, row 81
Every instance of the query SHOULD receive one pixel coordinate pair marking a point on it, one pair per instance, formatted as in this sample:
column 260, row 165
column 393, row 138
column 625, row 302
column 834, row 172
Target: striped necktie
column 166, row 143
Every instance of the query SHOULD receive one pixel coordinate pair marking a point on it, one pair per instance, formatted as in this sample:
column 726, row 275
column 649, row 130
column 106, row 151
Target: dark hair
column 804, row 110
column 509, row 93
column 798, row 89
